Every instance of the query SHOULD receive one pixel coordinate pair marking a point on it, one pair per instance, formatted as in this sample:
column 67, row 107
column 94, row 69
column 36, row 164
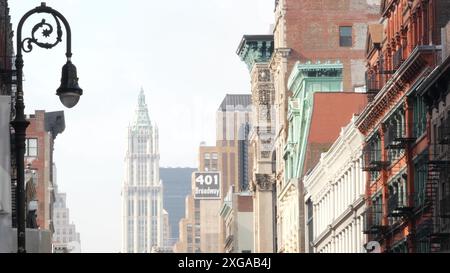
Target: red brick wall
column 36, row 129
column 312, row 28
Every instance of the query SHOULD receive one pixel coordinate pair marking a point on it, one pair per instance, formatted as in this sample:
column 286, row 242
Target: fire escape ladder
column 437, row 208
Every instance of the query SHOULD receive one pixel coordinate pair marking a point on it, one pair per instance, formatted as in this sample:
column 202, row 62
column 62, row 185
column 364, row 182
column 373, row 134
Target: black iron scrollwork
column 47, row 31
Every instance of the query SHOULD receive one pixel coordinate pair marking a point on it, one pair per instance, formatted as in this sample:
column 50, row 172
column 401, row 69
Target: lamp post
column 69, row 93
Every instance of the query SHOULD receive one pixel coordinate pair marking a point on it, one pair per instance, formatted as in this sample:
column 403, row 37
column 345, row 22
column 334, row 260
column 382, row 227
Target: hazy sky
column 182, row 52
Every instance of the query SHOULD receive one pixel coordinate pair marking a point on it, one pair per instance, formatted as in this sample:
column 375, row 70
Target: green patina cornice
column 255, row 49
column 305, row 80
column 302, row 71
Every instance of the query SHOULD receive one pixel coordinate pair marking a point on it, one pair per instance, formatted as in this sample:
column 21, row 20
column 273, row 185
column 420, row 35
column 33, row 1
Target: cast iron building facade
column 403, row 175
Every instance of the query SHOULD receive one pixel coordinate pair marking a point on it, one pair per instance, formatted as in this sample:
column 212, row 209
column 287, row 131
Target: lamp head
column 69, row 92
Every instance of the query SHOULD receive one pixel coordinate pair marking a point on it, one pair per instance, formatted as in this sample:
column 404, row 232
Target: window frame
column 28, row 147
column 343, row 40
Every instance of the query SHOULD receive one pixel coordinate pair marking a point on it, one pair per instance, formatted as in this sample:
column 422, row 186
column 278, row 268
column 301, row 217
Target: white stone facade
column 334, row 195
column 289, row 235
column 142, row 192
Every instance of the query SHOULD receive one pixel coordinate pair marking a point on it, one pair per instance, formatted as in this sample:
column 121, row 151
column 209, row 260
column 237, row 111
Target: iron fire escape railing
column 373, row 220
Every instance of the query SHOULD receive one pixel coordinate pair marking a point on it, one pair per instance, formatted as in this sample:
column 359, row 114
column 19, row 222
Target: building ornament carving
column 264, row 182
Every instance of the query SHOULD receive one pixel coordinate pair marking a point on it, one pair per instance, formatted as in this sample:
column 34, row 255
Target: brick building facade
column 401, row 188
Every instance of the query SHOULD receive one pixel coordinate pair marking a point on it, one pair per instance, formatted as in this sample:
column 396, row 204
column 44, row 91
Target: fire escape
column 373, row 164
column 397, row 143
column 373, row 85
column 373, row 221
column 433, row 202
column 438, row 190
column 375, row 79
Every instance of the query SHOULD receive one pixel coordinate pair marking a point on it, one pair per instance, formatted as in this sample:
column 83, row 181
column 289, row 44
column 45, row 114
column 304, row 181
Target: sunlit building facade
column 142, row 192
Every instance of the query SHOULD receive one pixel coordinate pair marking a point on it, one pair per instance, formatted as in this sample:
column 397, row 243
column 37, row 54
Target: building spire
column 141, row 117
column 141, row 99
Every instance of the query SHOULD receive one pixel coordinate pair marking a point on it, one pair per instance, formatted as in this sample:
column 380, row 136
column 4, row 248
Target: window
column 310, row 224
column 420, row 116
column 31, row 148
column 420, row 179
column 214, row 162
column 423, row 241
column 345, row 36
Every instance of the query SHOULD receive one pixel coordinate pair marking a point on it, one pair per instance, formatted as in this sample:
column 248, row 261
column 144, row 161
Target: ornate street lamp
column 69, row 93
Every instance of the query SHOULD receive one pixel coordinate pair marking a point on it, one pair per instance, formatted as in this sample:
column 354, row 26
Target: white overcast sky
column 182, row 52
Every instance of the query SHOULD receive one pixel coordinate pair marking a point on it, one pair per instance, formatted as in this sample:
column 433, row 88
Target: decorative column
column 256, row 51
column 265, row 185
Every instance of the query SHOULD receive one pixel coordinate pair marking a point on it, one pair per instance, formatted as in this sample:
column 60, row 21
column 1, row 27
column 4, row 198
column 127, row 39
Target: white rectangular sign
column 207, row 185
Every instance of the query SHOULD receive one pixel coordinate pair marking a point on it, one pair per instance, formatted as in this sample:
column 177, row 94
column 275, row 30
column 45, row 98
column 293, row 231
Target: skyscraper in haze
column 142, row 191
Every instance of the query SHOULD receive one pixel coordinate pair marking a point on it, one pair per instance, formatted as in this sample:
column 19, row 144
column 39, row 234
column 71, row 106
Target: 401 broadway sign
column 207, row 185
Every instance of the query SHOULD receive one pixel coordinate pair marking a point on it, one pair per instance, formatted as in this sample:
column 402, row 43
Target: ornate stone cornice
column 255, row 49
column 412, row 69
column 264, row 182
column 304, row 70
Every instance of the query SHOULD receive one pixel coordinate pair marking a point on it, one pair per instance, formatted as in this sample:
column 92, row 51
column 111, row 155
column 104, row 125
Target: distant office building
column 65, row 239
column 233, row 125
column 177, row 185
column 142, row 192
column 199, row 229
column 232, row 129
column 202, row 229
